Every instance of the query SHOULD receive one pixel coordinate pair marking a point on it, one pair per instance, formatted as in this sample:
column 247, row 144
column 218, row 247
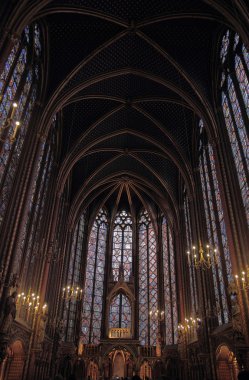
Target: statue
column 9, row 313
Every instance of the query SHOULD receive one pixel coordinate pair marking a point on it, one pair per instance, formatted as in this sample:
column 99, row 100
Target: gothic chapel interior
column 124, row 189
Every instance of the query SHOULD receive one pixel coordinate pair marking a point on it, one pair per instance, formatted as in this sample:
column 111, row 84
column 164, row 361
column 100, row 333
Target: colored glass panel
column 237, row 154
column 95, row 267
column 243, row 83
column 120, row 312
column 74, row 277
column 148, row 289
column 169, row 280
column 216, row 231
column 8, row 65
column 235, row 104
column 122, row 246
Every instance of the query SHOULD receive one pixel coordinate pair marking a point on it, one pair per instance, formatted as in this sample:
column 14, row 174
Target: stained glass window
column 17, row 85
column 192, row 270
column 122, row 246
column 8, row 65
column 169, row 278
column 148, row 287
column 120, row 312
column 74, row 277
column 95, row 269
column 225, row 45
column 235, row 104
column 216, row 230
column 31, row 246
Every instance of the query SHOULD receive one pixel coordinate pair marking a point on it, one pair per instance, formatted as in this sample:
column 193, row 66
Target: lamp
column 29, row 306
column 242, row 281
column 201, row 259
column 72, row 293
column 189, row 324
column 9, row 123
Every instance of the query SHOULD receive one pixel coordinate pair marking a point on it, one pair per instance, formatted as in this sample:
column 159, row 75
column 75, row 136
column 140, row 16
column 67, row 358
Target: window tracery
column 122, row 246
column 216, row 229
column 95, row 269
column 18, row 83
column 235, row 104
column 74, row 277
column 148, row 287
column 120, row 312
column 192, row 270
column 170, row 300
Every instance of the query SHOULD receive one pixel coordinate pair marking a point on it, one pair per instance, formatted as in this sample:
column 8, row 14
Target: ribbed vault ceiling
column 130, row 78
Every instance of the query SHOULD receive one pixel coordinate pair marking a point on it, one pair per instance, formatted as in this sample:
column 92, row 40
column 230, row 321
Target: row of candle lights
column 202, row 260
column 189, row 324
column 243, row 279
column 157, row 313
column 31, row 301
column 72, row 293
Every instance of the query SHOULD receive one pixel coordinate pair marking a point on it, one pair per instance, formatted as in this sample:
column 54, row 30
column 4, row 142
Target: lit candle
column 188, row 253
column 208, row 255
column 13, row 110
column 15, row 131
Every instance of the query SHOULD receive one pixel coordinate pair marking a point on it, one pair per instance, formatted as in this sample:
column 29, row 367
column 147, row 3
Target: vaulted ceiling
column 130, row 79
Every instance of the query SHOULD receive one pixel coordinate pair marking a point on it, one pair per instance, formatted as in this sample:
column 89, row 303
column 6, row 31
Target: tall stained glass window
column 74, row 277
column 120, row 312
column 18, row 92
column 28, row 253
column 235, row 104
column 148, row 287
column 122, row 246
column 169, row 277
column 95, row 269
column 192, row 270
column 216, row 229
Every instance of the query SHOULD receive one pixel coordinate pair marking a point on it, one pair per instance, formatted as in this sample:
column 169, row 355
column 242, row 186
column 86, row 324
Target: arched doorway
column 16, row 361
column 226, row 364
column 118, row 364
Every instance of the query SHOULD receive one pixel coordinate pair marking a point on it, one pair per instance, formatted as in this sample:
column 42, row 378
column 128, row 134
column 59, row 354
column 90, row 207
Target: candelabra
column 189, row 325
column 242, row 281
column 29, row 306
column 72, row 293
column 201, row 259
column 10, row 123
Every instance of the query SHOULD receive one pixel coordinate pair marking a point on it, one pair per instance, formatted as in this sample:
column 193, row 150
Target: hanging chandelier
column 72, row 293
column 190, row 324
column 202, row 259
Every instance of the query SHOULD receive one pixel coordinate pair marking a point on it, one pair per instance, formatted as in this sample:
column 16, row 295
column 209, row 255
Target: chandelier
column 29, row 306
column 189, row 325
column 72, row 293
column 202, row 259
